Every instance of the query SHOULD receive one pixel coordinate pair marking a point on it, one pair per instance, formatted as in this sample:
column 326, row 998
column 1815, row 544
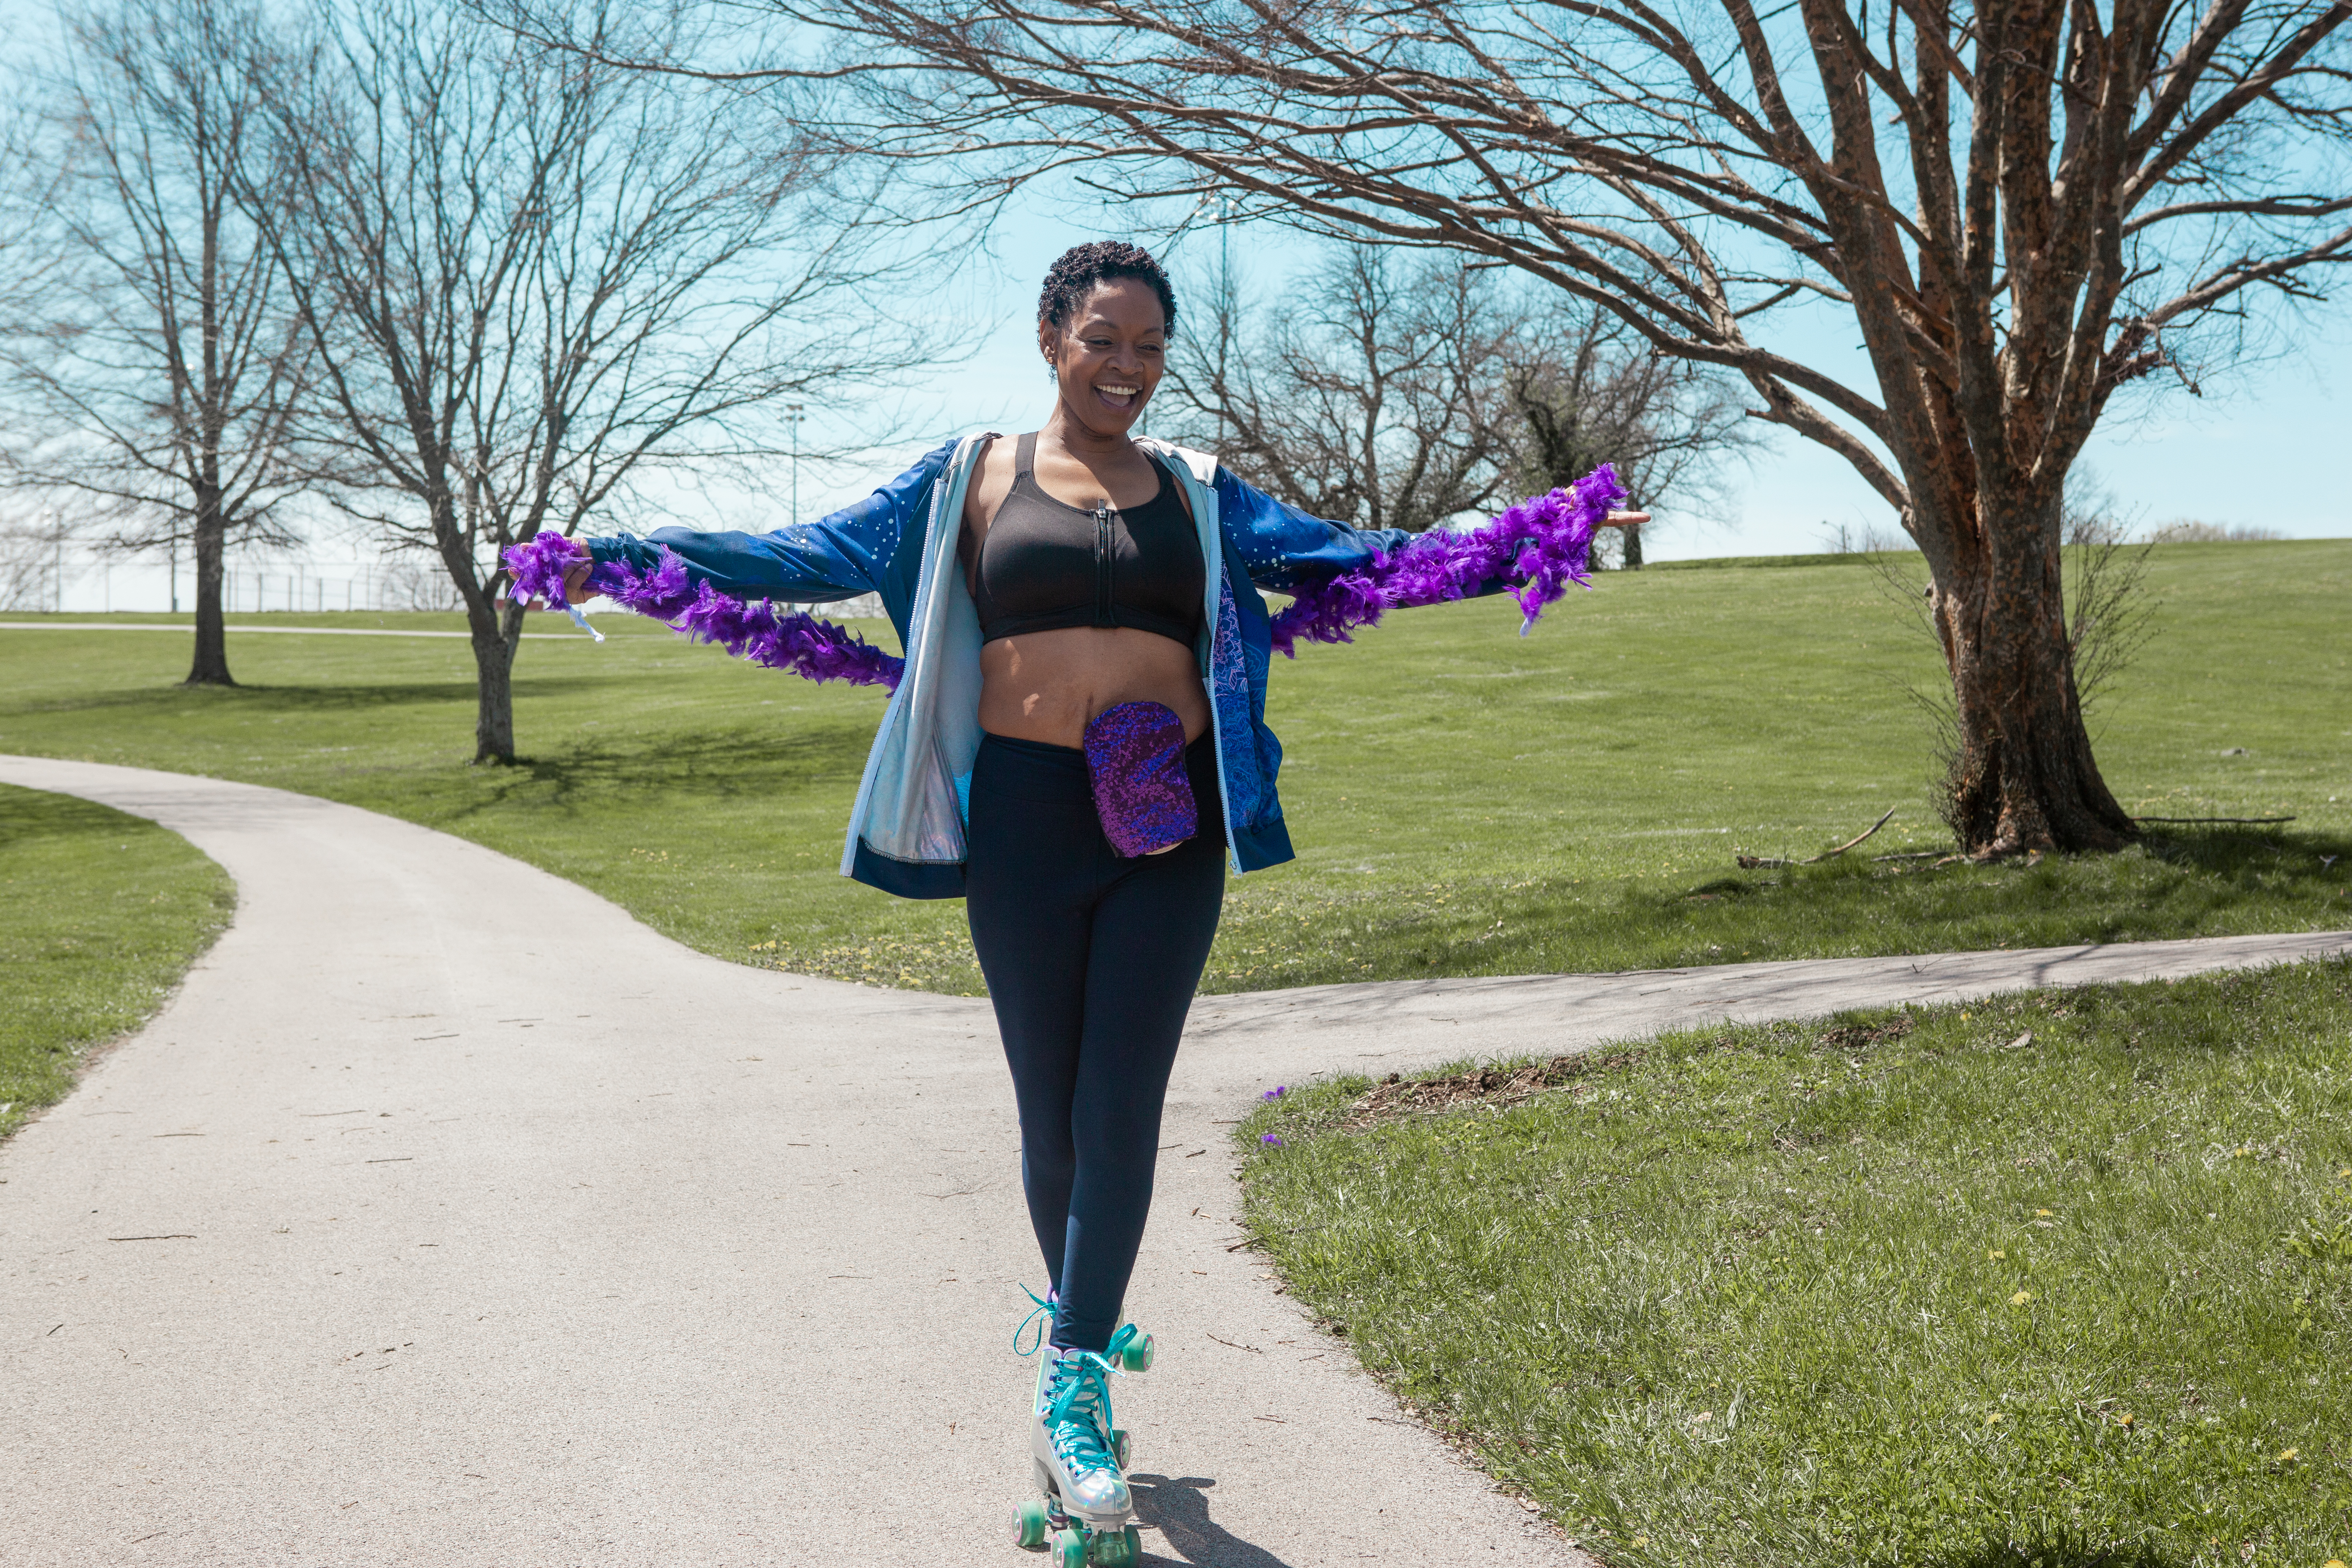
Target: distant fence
column 304, row 586
column 45, row 575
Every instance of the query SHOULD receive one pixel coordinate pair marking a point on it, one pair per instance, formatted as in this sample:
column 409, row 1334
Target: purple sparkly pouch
column 1135, row 752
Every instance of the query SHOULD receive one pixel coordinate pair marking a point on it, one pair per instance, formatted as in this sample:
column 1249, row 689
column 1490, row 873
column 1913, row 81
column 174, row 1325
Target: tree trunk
column 2021, row 774
column 210, row 667
column 1634, row 548
column 496, row 629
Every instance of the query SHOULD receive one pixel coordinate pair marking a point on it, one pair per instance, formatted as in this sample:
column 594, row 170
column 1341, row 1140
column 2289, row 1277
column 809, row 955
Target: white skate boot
column 1084, row 1514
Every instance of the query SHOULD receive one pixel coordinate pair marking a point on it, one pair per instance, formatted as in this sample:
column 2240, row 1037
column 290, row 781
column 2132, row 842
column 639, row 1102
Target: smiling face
column 1109, row 356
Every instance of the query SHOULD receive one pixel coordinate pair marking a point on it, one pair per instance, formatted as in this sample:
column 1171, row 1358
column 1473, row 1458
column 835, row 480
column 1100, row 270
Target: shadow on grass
column 2240, row 852
column 2223, row 882
column 2061, row 898
column 26, row 815
column 2057, row 1549
column 174, row 699
column 698, row 765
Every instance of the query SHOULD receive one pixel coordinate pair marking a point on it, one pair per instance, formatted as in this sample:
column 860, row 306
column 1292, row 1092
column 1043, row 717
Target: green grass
column 100, row 914
column 1463, row 801
column 2068, row 1274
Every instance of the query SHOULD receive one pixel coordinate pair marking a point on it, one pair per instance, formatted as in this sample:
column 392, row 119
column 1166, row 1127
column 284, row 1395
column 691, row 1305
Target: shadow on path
column 1178, row 1507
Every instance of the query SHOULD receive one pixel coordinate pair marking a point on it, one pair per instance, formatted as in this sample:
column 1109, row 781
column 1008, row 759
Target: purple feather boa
column 799, row 642
column 1542, row 544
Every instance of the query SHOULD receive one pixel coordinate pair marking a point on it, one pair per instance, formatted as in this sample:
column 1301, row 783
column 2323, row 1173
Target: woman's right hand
column 575, row 576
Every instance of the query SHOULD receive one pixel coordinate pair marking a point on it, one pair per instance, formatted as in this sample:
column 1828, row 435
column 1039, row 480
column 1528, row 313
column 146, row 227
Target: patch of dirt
column 1396, row 1096
column 1857, row 1037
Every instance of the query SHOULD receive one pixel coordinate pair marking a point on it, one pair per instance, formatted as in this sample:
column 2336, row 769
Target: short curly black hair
column 1070, row 279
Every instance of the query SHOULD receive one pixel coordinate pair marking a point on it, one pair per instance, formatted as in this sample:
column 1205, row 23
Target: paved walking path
column 478, row 1224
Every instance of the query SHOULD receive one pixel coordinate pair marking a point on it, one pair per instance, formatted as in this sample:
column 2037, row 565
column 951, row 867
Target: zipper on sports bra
column 1103, row 616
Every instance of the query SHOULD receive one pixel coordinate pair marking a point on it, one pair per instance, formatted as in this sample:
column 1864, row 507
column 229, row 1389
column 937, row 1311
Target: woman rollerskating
column 1075, row 745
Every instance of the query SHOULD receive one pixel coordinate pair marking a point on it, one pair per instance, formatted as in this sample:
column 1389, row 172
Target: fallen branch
column 2199, row 819
column 1759, row 862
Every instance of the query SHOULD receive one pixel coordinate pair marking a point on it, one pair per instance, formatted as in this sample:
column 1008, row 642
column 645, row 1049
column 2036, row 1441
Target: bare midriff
column 1046, row 686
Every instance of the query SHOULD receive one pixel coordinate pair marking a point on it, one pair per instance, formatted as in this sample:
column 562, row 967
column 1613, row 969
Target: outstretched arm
column 1341, row 578
column 1285, row 549
column 839, row 556
column 721, row 587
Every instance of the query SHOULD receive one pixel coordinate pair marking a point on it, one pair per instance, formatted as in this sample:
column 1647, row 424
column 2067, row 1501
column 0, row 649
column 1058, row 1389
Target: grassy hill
column 1464, row 801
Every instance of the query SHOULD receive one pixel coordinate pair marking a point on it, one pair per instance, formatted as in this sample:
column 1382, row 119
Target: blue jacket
column 907, row 831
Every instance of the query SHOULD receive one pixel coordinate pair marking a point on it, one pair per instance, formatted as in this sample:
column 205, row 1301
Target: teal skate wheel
column 1069, row 1549
column 1136, row 1356
column 1120, row 1447
column 1124, row 1550
column 1030, row 1523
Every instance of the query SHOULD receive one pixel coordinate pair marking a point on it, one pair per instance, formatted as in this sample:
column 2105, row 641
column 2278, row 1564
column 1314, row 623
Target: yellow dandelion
column 1996, row 1254
column 1639, row 1541
column 1993, row 1419
column 2020, row 1299
column 2337, row 1561
column 2242, row 1150
column 2043, row 1214
column 2125, row 1420
column 2286, row 1456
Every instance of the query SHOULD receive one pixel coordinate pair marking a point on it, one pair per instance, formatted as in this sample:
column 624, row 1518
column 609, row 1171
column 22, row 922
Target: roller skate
column 1085, row 1515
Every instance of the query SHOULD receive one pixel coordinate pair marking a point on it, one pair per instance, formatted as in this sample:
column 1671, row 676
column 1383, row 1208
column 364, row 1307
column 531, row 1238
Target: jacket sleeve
column 1282, row 548
column 839, row 556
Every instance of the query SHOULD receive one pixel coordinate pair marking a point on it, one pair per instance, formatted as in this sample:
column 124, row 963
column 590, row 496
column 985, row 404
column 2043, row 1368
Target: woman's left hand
column 1626, row 520
column 575, row 577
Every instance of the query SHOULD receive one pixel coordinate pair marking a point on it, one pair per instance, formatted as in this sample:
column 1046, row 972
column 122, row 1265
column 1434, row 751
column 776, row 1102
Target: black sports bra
column 1044, row 564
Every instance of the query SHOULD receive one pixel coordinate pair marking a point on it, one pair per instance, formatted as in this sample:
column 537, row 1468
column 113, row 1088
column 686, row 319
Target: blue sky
column 2267, row 445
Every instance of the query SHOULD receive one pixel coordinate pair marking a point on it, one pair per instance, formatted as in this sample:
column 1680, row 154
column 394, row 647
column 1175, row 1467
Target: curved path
column 448, row 1215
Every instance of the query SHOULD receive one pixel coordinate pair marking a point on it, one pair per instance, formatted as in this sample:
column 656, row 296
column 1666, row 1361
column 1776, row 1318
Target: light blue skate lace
column 1041, row 1319
column 1078, row 1411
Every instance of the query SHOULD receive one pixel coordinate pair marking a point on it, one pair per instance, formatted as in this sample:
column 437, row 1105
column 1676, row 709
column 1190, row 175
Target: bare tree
column 31, row 563
column 28, row 178
column 1591, row 392
column 2111, row 616
column 1399, row 389
column 1378, row 395
column 154, row 369
column 2110, row 613
column 531, row 280
column 2021, row 206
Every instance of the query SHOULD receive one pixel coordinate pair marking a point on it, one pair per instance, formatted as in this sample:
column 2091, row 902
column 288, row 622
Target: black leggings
column 1091, row 960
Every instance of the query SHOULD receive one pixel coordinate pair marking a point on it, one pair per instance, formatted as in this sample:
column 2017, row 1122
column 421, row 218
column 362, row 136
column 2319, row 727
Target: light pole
column 792, row 412
column 1226, row 302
